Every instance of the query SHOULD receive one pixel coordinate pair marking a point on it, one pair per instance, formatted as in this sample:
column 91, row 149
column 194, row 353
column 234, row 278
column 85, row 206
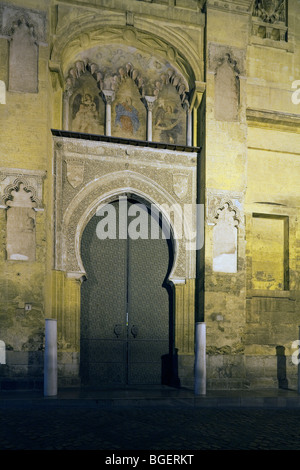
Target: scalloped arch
column 80, row 67
column 231, row 207
column 103, row 189
column 15, row 186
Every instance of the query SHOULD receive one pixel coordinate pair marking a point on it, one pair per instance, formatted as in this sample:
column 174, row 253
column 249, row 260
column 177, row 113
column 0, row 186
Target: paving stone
column 149, row 429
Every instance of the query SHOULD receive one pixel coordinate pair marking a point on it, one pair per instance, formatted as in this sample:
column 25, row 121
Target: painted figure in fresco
column 127, row 116
column 168, row 122
column 86, row 116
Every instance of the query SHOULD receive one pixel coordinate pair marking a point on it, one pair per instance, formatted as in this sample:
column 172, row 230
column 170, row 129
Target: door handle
column 134, row 331
column 118, row 330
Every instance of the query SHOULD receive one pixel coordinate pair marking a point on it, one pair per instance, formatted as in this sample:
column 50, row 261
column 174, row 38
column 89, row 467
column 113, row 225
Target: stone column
column 66, row 291
column 200, row 358
column 193, row 107
column 50, row 359
column 109, row 97
column 185, row 315
column 150, row 103
column 184, row 341
column 189, row 127
column 66, row 98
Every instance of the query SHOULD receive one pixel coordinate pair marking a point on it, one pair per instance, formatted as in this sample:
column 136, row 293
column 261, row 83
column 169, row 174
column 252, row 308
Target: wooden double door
column 126, row 305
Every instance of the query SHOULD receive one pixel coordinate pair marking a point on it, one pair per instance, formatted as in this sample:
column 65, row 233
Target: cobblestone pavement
column 149, row 428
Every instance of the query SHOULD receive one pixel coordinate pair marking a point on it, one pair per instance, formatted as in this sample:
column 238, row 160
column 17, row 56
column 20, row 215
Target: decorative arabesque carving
column 10, row 178
column 12, row 189
column 269, row 19
column 136, row 171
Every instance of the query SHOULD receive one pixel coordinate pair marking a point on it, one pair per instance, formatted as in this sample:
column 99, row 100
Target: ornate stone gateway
column 91, row 173
column 125, row 305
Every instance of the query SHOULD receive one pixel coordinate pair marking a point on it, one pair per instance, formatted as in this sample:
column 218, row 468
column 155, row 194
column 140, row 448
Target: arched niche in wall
column 84, row 108
column 225, row 236
column 20, row 221
column 129, row 114
column 23, row 58
column 227, row 90
column 170, row 110
column 125, row 92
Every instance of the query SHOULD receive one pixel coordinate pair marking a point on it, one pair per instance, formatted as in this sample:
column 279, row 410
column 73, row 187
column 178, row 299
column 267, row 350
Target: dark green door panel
column 125, row 309
column 148, row 303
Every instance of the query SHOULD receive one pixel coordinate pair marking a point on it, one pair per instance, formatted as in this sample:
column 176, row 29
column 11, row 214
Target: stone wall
column 230, row 68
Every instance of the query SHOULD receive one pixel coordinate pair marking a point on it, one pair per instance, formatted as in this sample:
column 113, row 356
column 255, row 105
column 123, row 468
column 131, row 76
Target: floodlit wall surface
column 223, row 77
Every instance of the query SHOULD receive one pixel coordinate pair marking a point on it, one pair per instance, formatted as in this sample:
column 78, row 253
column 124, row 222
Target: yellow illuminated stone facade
column 198, row 102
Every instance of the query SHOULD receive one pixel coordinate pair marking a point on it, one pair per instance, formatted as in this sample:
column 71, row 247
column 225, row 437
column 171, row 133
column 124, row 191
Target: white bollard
column 2, row 352
column 50, row 358
column 200, row 358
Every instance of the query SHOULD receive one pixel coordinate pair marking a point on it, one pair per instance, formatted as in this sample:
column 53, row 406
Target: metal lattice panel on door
column 125, row 319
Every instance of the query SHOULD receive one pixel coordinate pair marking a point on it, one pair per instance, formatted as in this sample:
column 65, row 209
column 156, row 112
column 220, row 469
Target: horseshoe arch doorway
column 127, row 318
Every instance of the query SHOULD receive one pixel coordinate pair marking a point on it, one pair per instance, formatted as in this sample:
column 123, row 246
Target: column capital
column 150, row 100
column 109, row 96
column 197, row 95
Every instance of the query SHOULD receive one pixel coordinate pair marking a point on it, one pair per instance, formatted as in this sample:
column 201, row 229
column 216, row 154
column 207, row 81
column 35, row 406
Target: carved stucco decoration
column 217, row 200
column 20, row 184
column 105, row 81
column 112, row 171
column 111, row 80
